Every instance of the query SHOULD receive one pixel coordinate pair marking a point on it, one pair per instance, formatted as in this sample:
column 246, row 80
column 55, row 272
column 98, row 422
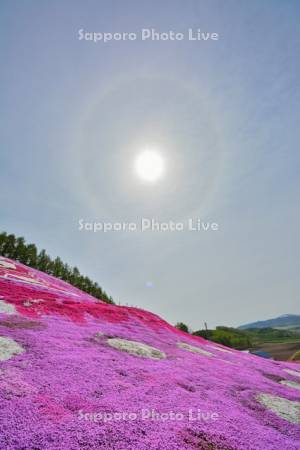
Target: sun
column 149, row 166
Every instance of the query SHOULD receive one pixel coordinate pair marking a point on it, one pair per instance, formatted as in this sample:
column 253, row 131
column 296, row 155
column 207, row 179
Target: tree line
column 231, row 337
column 245, row 338
column 16, row 248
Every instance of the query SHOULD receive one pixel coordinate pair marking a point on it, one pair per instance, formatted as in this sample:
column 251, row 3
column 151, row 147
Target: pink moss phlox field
column 56, row 393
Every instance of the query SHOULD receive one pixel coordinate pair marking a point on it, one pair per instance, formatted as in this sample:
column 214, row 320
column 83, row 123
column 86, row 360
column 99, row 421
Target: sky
column 222, row 114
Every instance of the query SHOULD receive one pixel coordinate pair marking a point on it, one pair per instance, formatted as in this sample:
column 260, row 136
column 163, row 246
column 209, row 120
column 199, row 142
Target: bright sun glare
column 149, row 165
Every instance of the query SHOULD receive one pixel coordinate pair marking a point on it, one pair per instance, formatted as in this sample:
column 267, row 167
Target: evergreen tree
column 3, row 237
column 75, row 274
column 9, row 246
column 20, row 250
column 57, row 267
column 43, row 261
column 31, row 256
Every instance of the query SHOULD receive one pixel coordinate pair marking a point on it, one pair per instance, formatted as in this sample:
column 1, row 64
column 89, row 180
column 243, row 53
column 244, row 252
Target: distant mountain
column 285, row 321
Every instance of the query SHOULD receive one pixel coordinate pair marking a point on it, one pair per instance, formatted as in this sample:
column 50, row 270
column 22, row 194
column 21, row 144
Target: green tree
column 182, row 326
column 20, row 250
column 31, row 256
column 9, row 246
column 57, row 267
column 43, row 261
column 3, row 237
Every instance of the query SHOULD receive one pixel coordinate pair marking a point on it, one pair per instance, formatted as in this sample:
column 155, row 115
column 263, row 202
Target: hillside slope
column 78, row 374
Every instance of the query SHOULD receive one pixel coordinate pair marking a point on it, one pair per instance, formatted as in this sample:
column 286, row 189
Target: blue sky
column 224, row 115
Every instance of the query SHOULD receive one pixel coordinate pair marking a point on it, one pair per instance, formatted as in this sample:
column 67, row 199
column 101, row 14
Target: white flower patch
column 282, row 407
column 292, row 372
column 229, row 362
column 193, row 349
column 292, row 384
column 9, row 348
column 7, row 264
column 136, row 348
column 32, row 301
column 7, row 308
column 25, row 279
column 220, row 349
